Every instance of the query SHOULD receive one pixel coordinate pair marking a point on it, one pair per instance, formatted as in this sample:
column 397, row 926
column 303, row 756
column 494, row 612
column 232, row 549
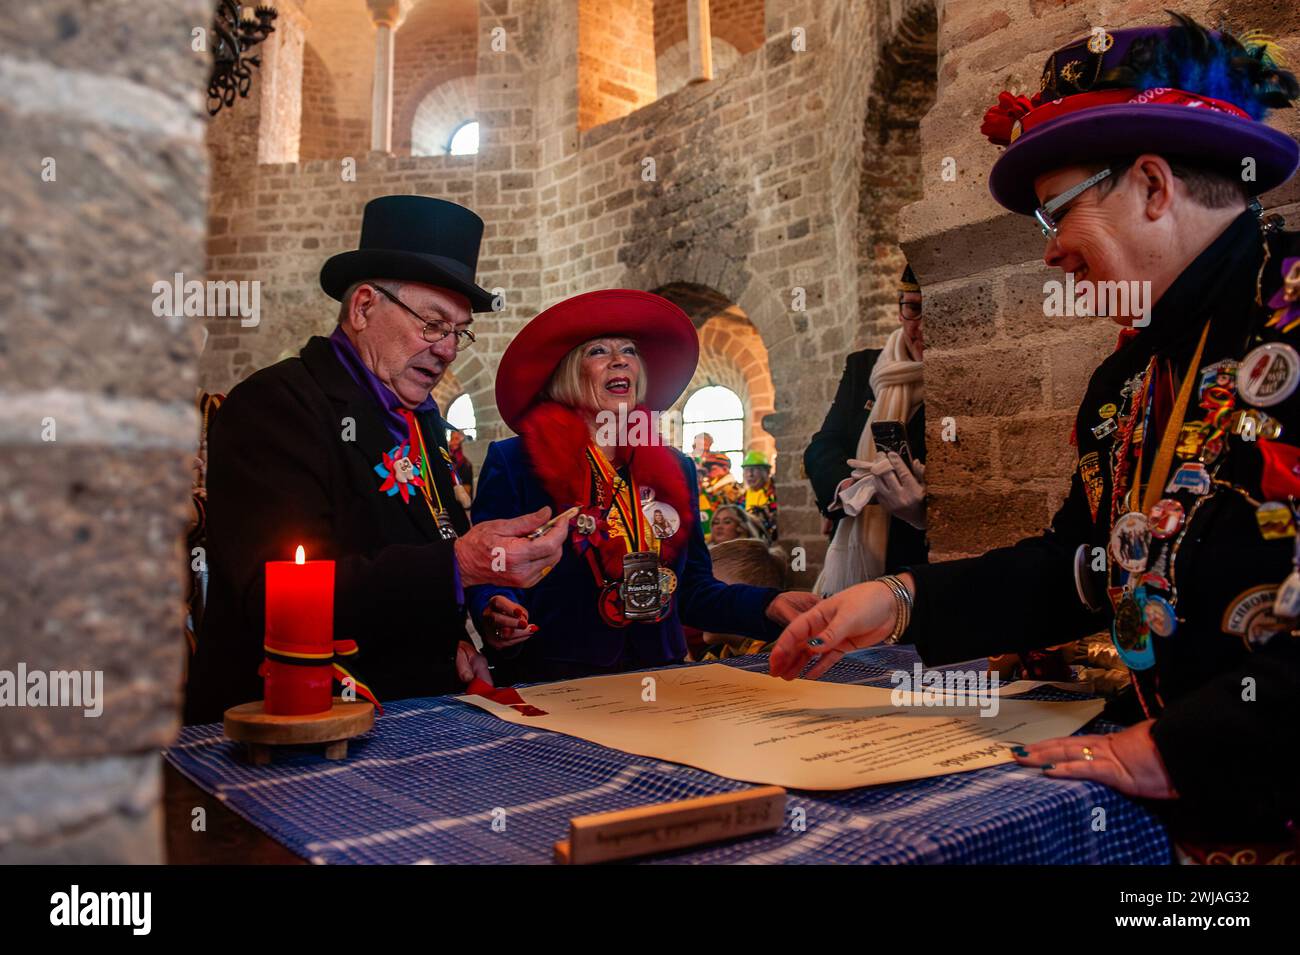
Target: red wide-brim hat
column 665, row 338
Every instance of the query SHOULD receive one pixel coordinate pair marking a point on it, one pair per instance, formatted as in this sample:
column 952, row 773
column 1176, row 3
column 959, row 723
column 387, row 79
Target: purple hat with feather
column 1180, row 91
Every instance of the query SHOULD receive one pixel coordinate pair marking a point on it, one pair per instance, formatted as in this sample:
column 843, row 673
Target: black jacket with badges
column 826, row 458
column 285, row 470
column 1225, row 685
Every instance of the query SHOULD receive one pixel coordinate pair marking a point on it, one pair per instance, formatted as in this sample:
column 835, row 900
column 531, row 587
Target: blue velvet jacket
column 572, row 639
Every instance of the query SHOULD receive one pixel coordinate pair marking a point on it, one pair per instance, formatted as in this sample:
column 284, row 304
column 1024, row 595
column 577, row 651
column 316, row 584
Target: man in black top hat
column 342, row 450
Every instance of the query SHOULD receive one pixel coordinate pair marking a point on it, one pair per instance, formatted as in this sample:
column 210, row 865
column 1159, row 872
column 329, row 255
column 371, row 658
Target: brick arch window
column 446, row 111
column 719, row 411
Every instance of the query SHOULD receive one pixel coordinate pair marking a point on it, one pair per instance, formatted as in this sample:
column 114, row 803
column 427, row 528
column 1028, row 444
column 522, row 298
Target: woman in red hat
column 582, row 385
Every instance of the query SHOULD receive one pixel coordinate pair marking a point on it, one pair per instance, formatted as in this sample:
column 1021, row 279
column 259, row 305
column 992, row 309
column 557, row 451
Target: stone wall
column 97, row 425
column 616, row 63
column 1009, row 377
column 325, row 132
column 436, row 44
column 739, row 23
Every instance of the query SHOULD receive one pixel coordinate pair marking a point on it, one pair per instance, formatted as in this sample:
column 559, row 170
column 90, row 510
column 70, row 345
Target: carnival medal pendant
column 446, row 530
column 1160, row 616
column 1287, row 601
column 1131, row 634
column 640, row 592
column 667, row 583
column 610, row 605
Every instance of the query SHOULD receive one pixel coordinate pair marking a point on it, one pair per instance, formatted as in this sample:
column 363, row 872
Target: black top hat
column 413, row 239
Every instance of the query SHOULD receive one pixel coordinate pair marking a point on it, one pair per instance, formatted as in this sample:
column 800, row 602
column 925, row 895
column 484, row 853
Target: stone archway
column 732, row 354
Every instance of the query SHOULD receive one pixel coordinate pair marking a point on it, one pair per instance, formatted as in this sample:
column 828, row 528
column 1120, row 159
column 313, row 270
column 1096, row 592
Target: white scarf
column 857, row 552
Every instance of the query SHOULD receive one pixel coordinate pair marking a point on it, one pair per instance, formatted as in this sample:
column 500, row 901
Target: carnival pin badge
column 399, row 472
column 1269, row 374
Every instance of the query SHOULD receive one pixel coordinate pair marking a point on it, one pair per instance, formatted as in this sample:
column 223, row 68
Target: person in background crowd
column 461, row 467
column 718, row 486
column 701, row 446
column 873, row 500
column 760, row 493
column 733, row 522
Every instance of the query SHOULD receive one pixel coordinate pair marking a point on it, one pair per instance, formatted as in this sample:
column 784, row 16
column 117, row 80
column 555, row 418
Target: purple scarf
column 383, row 396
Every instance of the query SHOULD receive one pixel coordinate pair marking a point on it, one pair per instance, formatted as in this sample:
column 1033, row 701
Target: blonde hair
column 565, row 383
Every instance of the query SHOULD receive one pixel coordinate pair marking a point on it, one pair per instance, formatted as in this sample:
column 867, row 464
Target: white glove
column 900, row 490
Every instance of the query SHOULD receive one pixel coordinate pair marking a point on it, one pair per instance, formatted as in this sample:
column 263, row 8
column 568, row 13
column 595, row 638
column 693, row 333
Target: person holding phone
column 866, row 463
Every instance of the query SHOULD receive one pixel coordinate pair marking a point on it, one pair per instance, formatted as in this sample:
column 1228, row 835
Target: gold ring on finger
column 1087, row 754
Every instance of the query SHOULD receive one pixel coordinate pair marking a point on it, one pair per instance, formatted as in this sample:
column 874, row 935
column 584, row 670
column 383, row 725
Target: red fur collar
column 555, row 442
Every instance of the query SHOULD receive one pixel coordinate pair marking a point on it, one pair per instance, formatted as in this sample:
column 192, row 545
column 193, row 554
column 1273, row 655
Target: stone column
column 699, row 40
column 280, row 125
column 388, row 16
column 105, row 196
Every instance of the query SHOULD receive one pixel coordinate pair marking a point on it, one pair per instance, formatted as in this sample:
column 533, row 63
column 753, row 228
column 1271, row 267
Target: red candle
column 299, row 630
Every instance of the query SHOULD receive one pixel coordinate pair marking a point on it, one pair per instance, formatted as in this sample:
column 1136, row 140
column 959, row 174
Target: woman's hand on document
column 850, row 620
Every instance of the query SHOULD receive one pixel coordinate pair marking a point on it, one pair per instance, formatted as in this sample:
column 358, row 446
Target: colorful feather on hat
column 1245, row 71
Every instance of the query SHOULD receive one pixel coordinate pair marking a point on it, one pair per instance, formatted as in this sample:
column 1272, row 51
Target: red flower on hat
column 1003, row 115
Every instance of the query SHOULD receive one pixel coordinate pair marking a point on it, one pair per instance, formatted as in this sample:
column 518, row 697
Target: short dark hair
column 1209, row 186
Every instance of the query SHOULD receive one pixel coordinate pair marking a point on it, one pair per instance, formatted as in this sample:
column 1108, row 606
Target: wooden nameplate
column 627, row 833
column 248, row 723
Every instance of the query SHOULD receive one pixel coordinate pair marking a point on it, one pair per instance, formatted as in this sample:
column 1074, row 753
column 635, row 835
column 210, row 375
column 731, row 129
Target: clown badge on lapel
column 399, row 472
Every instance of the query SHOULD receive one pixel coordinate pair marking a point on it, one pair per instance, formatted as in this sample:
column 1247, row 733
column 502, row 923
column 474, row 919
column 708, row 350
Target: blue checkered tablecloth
column 426, row 784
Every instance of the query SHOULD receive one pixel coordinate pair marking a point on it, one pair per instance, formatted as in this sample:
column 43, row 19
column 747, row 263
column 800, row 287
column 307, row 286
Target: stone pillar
column 280, row 77
column 106, row 196
column 699, row 40
column 388, row 16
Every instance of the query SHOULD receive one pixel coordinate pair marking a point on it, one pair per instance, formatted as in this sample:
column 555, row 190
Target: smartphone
column 892, row 436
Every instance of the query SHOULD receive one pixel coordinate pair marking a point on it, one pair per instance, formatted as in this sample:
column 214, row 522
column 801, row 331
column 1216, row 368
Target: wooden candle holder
column 259, row 731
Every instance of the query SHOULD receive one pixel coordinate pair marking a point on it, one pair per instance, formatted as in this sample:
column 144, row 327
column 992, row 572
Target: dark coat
column 572, row 639
column 282, row 473
column 1229, row 757
column 825, row 459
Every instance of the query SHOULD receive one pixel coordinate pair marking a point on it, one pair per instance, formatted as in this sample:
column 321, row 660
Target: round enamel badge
column 664, row 519
column 1130, row 539
column 1268, row 375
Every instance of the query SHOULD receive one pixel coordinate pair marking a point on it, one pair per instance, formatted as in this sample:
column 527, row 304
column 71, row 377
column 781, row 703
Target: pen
column 533, row 535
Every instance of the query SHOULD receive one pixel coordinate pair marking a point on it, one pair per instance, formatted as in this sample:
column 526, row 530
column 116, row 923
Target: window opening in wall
column 719, row 411
column 464, row 141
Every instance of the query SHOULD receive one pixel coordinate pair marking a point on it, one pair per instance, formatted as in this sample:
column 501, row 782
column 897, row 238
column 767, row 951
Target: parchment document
column 801, row 734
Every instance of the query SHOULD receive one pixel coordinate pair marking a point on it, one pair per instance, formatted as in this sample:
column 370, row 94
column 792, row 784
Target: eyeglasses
column 436, row 330
column 909, row 310
column 1046, row 214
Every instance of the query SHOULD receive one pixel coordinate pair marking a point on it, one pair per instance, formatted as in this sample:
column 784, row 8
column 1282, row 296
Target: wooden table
column 229, row 840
